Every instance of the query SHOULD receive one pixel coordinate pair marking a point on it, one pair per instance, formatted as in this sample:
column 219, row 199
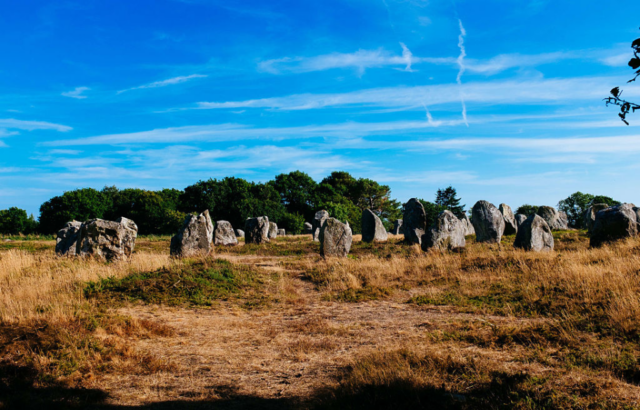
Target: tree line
column 289, row 199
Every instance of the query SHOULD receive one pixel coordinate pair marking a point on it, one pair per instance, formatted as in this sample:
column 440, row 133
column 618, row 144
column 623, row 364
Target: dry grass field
column 276, row 326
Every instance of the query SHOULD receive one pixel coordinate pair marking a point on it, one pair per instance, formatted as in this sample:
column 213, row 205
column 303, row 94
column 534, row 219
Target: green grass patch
column 199, row 284
column 364, row 294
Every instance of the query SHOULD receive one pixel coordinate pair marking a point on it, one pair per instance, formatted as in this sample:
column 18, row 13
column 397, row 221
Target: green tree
column 601, row 199
column 292, row 223
column 527, row 210
column 447, row 198
column 297, row 193
column 153, row 211
column 432, row 211
column 575, row 205
column 81, row 205
column 15, row 220
column 232, row 199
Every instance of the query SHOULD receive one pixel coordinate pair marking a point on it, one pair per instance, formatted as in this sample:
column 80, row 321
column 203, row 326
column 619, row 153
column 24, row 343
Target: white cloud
column 518, row 91
column 77, row 93
column 164, row 83
column 461, row 68
column 32, row 125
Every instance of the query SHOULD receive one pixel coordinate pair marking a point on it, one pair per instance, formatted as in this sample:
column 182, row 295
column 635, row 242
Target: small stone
column 335, row 238
column 590, row 215
column 510, row 224
column 107, row 240
column 488, row 222
column 256, row 230
column 194, row 238
column 318, row 220
column 273, row 230
column 223, row 234
column 372, row 227
column 397, row 227
column 308, row 228
column 447, row 233
column 557, row 221
column 414, row 221
column 282, row 232
column 520, row 218
column 534, row 235
column 614, row 223
column 67, row 239
column 239, row 233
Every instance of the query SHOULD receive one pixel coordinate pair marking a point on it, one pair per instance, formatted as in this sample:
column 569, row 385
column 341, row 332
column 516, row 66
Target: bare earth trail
column 288, row 350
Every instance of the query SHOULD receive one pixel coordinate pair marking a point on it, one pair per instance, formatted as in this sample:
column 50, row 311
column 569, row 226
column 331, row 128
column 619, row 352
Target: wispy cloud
column 463, row 54
column 11, row 123
column 519, row 91
column 76, row 93
column 164, row 83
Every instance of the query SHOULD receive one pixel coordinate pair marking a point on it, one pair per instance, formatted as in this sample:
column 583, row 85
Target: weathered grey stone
column 614, row 223
column 223, row 234
column 308, row 228
column 556, row 220
column 335, row 238
column 488, row 222
column 256, row 230
column 239, row 233
column 510, row 224
column 67, row 239
column 446, row 233
column 535, row 235
column 397, row 227
column 414, row 221
column 318, row 220
column 282, row 232
column 273, row 230
column 194, row 238
column 520, row 218
column 468, row 226
column 590, row 215
column 372, row 227
column 107, row 240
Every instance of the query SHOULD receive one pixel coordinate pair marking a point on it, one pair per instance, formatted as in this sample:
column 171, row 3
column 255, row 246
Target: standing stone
column 335, row 238
column 223, row 234
column 447, row 233
column 256, row 230
column 318, row 220
column 488, row 222
column 520, row 218
column 510, row 224
column 556, row 220
column 534, row 235
column 308, row 228
column 414, row 221
column 590, row 215
column 194, row 238
column 468, row 226
column 273, row 230
column 614, row 223
column 372, row 227
column 67, row 239
column 107, row 240
column 397, row 227
column 239, row 233
column 282, row 232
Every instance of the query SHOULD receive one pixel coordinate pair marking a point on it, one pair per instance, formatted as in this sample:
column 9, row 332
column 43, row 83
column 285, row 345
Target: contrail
column 460, row 60
column 407, row 55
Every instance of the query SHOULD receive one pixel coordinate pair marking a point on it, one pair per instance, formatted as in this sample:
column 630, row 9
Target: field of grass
column 277, row 326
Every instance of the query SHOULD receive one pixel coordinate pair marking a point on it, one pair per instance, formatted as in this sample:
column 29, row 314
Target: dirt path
column 287, row 350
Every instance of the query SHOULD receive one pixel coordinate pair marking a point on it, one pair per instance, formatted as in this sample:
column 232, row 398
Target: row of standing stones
column 115, row 240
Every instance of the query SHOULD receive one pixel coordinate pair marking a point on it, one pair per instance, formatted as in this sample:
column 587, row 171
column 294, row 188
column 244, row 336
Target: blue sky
column 501, row 99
